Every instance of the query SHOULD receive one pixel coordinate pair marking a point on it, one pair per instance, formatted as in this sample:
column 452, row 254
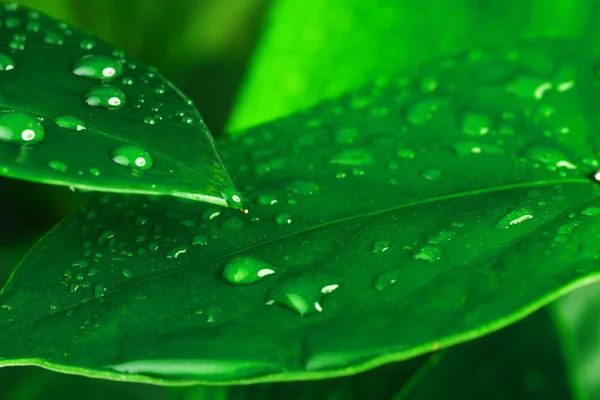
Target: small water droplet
column 246, row 270
column 406, row 153
column 591, row 211
column 475, row 124
column 57, row 165
column 176, row 252
column 211, row 213
column 149, row 121
column 54, row 38
column 302, row 292
column 381, row 246
column 132, row 156
column 99, row 290
column 105, row 96
column 98, row 67
column 568, row 227
column 200, row 240
column 6, row 62
column 427, row 253
column 386, row 279
column 19, row 127
column 467, row 148
column 440, row 237
column 283, row 219
column 303, row 188
column 70, row 122
column 514, row 217
column 95, row 171
column 266, row 199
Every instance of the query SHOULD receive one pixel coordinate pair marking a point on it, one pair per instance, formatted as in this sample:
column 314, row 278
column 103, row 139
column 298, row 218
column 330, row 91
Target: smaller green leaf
column 76, row 111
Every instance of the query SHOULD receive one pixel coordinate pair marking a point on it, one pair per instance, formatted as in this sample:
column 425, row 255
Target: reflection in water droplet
column 381, row 246
column 132, row 156
column 19, row 127
column 98, row 67
column 176, row 252
column 302, row 292
column 70, row 122
column 149, row 121
column 246, row 270
column 105, row 96
column 6, row 62
column 514, row 217
column 427, row 253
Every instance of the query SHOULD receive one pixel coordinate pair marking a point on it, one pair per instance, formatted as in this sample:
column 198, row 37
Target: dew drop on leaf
column 283, row 219
column 58, row 166
column 475, row 124
column 87, row 44
column 6, row 62
column 211, row 213
column 199, row 240
column 591, row 211
column 98, row 67
column 406, row 153
column 386, row 279
column 246, row 270
column 440, row 237
column 176, row 252
column 381, row 246
column 353, row 157
column 105, row 96
column 431, row 174
column 70, row 122
column 132, row 156
column 302, row 293
column 54, row 38
column 266, row 199
column 149, row 121
column 18, row 127
column 514, row 217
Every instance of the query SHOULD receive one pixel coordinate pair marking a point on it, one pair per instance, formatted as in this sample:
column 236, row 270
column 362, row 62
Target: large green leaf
column 312, row 50
column 411, row 215
column 76, row 111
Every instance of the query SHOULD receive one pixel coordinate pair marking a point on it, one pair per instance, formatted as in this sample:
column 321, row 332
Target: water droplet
column 302, row 292
column 406, row 153
column 54, row 38
column 211, row 213
column 19, row 127
column 95, row 171
column 266, row 199
column 467, row 148
column 431, row 174
column 99, row 290
column 303, row 188
column 550, row 156
column 514, row 217
column 246, row 270
column 591, row 211
column 149, row 121
column 475, row 124
column 353, row 157
column 132, row 156
column 70, row 122
column 381, row 246
column 105, row 96
column 568, row 227
column 346, row 135
column 283, row 219
column 98, row 67
column 528, row 86
column 199, row 240
column 386, row 279
column 176, row 252
column 427, row 253
column 6, row 63
column 57, row 165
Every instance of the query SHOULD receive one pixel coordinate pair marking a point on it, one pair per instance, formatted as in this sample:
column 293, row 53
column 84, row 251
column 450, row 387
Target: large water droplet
column 19, row 127
column 246, row 270
column 591, row 211
column 6, row 63
column 105, row 96
column 514, row 217
column 302, row 292
column 70, row 122
column 132, row 156
column 98, row 67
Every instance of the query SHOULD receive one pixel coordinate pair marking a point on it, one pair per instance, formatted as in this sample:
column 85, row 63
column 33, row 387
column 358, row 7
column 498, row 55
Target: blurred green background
column 244, row 62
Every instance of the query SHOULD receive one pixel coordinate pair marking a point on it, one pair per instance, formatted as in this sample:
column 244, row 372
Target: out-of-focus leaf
column 76, row 111
column 313, row 49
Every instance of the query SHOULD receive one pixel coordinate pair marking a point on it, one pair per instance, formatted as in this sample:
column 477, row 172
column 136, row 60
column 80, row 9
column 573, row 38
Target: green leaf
column 522, row 361
column 76, row 111
column 313, row 50
column 411, row 215
column 577, row 313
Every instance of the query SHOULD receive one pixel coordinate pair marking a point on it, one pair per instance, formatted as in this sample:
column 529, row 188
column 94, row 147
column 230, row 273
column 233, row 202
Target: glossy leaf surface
column 414, row 214
column 76, row 111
